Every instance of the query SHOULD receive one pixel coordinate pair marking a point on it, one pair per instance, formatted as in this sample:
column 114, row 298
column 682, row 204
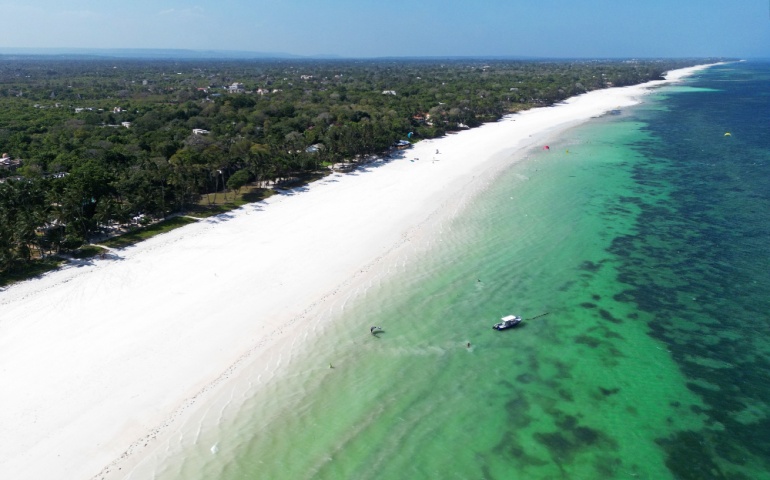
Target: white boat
column 506, row 322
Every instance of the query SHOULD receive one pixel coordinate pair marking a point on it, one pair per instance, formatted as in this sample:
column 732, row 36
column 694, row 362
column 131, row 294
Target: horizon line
column 201, row 54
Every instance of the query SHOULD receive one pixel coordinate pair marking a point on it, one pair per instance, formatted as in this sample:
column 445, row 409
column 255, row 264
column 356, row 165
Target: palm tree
column 257, row 161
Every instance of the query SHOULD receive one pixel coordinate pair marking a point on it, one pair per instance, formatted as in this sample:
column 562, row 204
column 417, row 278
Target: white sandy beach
column 97, row 357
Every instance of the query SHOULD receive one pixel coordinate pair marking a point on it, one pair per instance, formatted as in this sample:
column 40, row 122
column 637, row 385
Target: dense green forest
column 93, row 143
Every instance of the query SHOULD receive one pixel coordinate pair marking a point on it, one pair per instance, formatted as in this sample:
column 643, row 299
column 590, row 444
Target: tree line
column 105, row 141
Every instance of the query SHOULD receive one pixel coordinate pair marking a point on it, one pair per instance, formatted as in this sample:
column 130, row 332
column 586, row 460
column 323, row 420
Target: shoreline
column 101, row 360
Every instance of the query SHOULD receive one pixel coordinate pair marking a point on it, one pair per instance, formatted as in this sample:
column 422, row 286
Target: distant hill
column 185, row 54
column 152, row 53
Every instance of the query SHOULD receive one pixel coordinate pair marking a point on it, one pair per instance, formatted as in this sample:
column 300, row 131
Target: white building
column 236, row 88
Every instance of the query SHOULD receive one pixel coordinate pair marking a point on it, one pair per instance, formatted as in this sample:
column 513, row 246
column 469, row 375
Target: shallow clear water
column 644, row 237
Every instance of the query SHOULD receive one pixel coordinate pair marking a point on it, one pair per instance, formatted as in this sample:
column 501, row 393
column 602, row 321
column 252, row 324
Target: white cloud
column 191, row 12
column 84, row 14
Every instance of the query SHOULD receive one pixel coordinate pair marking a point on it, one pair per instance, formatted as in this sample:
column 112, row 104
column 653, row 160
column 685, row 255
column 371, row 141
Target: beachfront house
column 236, row 88
column 8, row 163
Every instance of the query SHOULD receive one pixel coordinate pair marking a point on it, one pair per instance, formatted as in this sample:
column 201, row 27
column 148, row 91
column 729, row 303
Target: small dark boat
column 509, row 321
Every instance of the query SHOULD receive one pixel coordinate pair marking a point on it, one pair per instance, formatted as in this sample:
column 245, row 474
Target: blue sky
column 363, row 28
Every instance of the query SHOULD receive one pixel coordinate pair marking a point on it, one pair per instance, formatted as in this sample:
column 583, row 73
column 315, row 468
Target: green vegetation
column 87, row 251
column 144, row 233
column 212, row 204
column 105, row 143
column 29, row 269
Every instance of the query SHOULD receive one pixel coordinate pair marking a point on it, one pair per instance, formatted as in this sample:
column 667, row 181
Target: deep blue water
column 699, row 263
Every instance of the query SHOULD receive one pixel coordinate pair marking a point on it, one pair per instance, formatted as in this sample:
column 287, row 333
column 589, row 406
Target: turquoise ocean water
column 644, row 236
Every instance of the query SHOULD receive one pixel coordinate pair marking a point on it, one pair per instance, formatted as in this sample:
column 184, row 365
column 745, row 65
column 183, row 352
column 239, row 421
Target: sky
column 400, row 28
